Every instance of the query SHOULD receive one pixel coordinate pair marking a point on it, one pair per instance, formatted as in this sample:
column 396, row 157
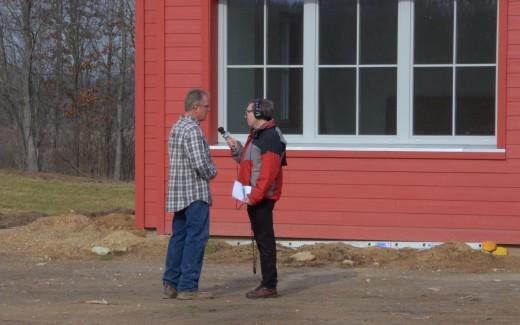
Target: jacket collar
column 266, row 125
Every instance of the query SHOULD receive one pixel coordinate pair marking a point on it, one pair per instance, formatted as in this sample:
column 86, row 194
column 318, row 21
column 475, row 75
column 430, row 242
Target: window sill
column 408, row 152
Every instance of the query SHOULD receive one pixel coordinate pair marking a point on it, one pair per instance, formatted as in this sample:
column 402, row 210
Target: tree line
column 67, row 86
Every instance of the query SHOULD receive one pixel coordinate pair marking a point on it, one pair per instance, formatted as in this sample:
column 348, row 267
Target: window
column 363, row 72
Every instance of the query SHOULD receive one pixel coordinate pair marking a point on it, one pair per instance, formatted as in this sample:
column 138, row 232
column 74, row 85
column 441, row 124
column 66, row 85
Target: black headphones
column 257, row 109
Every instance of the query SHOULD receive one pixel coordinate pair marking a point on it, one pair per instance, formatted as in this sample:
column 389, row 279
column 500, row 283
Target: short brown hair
column 194, row 96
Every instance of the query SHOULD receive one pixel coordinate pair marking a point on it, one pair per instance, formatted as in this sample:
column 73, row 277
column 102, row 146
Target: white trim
column 378, row 140
column 405, row 75
column 411, row 64
column 496, row 69
column 315, row 123
column 265, row 66
column 457, row 65
column 354, row 243
column 264, row 37
column 433, row 149
column 358, row 43
column 404, row 70
column 360, row 65
column 454, row 72
column 310, row 80
column 222, row 75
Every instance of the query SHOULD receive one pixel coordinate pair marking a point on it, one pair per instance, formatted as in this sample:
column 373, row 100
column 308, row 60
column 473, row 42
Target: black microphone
column 225, row 134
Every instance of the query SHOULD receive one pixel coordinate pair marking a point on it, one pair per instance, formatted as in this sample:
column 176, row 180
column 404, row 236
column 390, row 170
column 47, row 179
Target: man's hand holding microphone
column 232, row 144
column 230, row 141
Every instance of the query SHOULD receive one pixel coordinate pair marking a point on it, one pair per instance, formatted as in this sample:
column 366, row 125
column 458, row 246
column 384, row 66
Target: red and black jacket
column 261, row 160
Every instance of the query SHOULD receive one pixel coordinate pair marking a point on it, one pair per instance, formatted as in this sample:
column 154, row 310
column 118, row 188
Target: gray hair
column 193, row 97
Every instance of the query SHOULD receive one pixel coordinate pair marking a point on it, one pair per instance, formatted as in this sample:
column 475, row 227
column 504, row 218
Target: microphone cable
column 238, row 206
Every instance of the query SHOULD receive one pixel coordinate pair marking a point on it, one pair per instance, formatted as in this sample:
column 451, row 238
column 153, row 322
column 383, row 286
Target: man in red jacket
column 261, row 160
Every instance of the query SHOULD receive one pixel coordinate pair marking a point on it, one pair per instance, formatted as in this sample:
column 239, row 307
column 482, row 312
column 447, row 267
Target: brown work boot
column 169, row 291
column 262, row 292
column 194, row 295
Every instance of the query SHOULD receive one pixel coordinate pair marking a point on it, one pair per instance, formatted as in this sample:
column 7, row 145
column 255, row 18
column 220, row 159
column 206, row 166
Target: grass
column 215, row 245
column 53, row 194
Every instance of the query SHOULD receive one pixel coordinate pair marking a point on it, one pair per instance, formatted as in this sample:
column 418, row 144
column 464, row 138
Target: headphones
column 257, row 109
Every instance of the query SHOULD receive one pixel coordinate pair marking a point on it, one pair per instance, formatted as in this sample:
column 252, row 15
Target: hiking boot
column 194, row 295
column 262, row 292
column 169, row 291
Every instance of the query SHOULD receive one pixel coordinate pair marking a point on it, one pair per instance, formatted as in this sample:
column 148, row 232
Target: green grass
column 215, row 245
column 54, row 194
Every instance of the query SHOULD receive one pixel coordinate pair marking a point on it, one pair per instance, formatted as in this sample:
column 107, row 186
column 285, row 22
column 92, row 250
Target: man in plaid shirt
column 189, row 198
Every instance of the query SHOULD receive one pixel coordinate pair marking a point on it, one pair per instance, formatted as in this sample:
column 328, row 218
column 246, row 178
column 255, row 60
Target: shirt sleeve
column 199, row 156
column 236, row 152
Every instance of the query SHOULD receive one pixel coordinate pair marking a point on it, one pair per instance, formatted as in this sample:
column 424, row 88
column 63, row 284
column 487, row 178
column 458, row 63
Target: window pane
column 433, row 31
column 432, row 112
column 338, row 24
column 476, row 31
column 378, row 20
column 377, row 101
column 285, row 32
column 337, row 109
column 243, row 85
column 475, row 91
column 245, row 32
column 284, row 88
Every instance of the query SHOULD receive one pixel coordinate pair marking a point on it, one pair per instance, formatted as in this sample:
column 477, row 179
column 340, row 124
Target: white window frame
column 405, row 66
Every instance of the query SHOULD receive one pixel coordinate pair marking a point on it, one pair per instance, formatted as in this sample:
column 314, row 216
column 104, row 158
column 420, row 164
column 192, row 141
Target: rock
column 100, row 250
column 304, row 256
column 348, row 262
column 97, row 302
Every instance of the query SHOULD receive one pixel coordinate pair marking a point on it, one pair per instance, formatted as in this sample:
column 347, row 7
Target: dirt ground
column 48, row 275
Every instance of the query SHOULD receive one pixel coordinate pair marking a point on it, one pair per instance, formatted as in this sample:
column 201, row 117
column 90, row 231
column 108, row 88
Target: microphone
column 225, row 134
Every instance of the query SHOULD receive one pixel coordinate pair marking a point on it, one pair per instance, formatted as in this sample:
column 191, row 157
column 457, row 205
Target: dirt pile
column 72, row 236
column 452, row 256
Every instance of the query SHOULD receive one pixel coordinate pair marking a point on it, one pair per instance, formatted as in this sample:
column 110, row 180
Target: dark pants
column 190, row 232
column 261, row 217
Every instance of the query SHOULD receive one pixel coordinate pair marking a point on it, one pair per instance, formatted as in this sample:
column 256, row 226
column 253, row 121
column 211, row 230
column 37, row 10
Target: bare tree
column 66, row 85
column 19, row 31
column 58, row 61
column 29, row 114
column 121, row 90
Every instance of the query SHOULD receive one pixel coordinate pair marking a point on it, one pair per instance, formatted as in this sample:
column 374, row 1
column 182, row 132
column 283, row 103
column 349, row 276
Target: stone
column 304, row 256
column 100, row 250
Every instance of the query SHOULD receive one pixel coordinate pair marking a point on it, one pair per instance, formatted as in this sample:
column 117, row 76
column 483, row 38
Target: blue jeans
column 190, row 232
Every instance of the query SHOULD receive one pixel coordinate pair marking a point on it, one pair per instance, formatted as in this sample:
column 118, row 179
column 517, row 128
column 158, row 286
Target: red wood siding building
column 402, row 195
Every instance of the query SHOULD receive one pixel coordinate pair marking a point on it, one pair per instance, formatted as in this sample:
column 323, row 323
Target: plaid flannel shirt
column 191, row 166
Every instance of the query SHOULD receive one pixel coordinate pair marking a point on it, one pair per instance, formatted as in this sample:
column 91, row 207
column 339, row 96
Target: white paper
column 240, row 191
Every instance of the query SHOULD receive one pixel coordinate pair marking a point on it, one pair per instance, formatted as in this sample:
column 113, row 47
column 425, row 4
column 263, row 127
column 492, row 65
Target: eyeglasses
column 205, row 106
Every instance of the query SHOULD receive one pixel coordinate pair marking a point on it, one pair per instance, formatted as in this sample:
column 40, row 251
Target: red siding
column 150, row 99
column 338, row 195
column 172, row 57
column 139, row 113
